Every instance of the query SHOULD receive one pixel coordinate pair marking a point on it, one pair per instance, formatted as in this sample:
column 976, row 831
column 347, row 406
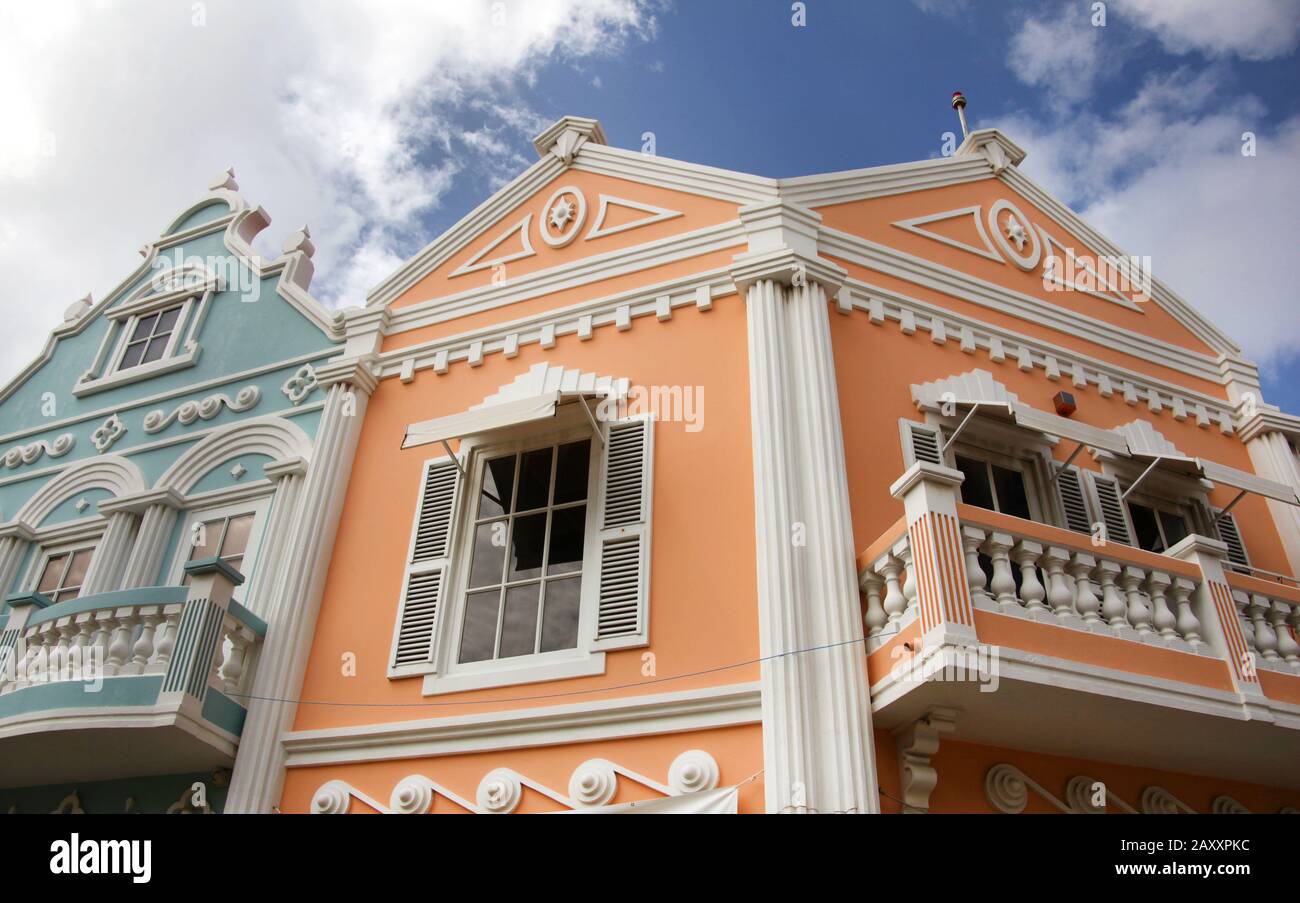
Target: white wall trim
column 582, row 722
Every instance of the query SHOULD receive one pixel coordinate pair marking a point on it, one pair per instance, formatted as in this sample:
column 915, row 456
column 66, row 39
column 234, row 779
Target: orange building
column 898, row 489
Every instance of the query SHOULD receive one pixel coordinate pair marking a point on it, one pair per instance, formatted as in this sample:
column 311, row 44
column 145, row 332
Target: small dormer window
column 150, row 337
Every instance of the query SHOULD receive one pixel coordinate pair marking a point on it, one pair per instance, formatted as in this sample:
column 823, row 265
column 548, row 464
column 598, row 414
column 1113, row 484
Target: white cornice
column 825, row 189
column 602, row 719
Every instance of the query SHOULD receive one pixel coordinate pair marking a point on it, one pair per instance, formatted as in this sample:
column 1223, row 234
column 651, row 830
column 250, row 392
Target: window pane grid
column 150, row 337
column 523, row 593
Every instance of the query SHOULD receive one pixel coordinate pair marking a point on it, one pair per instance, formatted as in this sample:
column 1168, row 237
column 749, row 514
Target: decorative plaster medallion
column 593, row 783
column 563, row 216
column 109, row 432
column 301, row 384
column 1005, row 788
column 413, row 795
column 158, row 420
column 238, row 471
column 81, row 505
column 332, row 798
column 693, row 771
column 32, row 452
column 499, row 792
column 1015, row 234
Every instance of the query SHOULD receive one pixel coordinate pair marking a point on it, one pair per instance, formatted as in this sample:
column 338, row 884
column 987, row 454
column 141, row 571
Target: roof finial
column 959, row 104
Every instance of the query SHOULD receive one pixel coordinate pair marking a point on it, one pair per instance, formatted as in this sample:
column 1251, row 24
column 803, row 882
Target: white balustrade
column 1269, row 626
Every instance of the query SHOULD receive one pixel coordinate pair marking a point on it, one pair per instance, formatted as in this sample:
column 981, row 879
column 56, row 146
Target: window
column 524, row 587
column 64, row 573
column 1156, row 529
column 231, row 533
column 993, row 486
column 149, row 337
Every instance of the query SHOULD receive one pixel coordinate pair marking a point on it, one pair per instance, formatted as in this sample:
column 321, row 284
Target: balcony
column 121, row 684
column 1043, row 641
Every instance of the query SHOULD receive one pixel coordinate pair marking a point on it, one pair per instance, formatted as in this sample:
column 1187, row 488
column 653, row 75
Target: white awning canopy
column 1042, row 422
column 1219, row 474
column 490, row 418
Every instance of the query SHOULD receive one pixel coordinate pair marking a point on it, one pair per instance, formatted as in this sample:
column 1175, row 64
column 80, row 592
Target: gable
column 987, row 230
column 574, row 215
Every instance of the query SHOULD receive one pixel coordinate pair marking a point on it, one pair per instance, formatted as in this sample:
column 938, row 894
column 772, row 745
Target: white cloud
column 1169, row 181
column 347, row 116
column 1062, row 55
column 1250, row 29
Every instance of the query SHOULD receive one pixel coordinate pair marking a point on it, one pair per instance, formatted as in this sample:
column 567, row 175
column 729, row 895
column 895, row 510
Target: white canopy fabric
column 722, row 801
column 481, row 420
column 1042, row 422
column 1221, row 474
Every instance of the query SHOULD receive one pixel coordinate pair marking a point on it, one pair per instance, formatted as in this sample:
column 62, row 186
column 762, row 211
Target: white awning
column 1042, row 422
column 1220, row 474
column 489, row 418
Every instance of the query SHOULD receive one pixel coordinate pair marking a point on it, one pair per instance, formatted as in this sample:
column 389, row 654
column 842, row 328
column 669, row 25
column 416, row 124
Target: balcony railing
column 1270, row 621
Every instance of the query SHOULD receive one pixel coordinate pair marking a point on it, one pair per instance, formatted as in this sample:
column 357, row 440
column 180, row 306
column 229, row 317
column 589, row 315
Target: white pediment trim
column 541, row 379
column 975, row 386
column 1145, row 439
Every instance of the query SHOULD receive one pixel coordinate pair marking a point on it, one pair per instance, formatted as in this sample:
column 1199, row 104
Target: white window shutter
column 423, row 585
column 1231, row 536
column 623, row 538
column 1069, row 489
column 921, row 442
column 1110, row 503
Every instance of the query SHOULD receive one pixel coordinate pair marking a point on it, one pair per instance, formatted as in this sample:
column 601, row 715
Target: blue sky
column 383, row 123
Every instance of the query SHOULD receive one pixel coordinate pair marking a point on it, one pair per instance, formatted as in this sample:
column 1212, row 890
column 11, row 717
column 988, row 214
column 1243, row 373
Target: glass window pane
column 565, row 555
column 571, row 470
column 527, row 539
column 131, row 356
column 498, row 484
column 489, row 553
column 534, row 479
column 1175, row 528
column 155, row 350
column 167, row 321
column 975, row 489
column 77, row 570
column 50, row 576
column 1010, row 486
column 237, row 530
column 560, row 622
column 144, row 327
column 1144, row 525
column 478, row 637
column 519, row 623
column 203, row 539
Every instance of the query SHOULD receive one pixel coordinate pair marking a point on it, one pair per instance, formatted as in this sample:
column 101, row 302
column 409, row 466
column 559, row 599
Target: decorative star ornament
column 1016, row 232
column 561, row 213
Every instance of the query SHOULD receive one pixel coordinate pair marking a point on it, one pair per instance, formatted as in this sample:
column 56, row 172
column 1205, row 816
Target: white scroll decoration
column 205, row 409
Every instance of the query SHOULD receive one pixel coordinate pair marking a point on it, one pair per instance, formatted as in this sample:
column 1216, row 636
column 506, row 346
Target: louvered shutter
column 623, row 540
column 922, row 442
column 1069, row 488
column 423, row 586
column 1231, row 536
column 1111, row 505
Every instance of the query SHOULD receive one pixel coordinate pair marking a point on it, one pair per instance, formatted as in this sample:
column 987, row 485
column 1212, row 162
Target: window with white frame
column 530, row 561
column 231, row 533
column 996, row 486
column 64, row 572
column 150, row 337
column 524, row 587
column 1157, row 528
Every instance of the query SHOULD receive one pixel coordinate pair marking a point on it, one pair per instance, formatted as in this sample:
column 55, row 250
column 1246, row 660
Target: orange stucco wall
column 703, row 611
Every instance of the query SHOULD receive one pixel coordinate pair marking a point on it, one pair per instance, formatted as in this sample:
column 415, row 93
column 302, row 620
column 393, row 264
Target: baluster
column 46, row 661
column 60, row 667
column 162, row 653
column 119, row 647
column 1032, row 594
column 909, row 583
column 103, row 634
column 1163, row 618
column 1113, row 608
column 1139, row 613
column 233, row 667
column 1265, row 638
column 1003, row 584
column 1086, row 602
column 142, row 651
column 1287, row 647
column 875, row 617
column 1293, row 621
column 1188, row 624
column 895, row 603
column 82, row 665
column 1242, row 601
column 1060, row 594
column 971, row 538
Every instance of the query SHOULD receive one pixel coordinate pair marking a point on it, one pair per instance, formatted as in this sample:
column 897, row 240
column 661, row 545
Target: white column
column 157, row 520
column 1273, row 458
column 109, row 561
column 14, row 541
column 818, row 747
column 294, row 600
